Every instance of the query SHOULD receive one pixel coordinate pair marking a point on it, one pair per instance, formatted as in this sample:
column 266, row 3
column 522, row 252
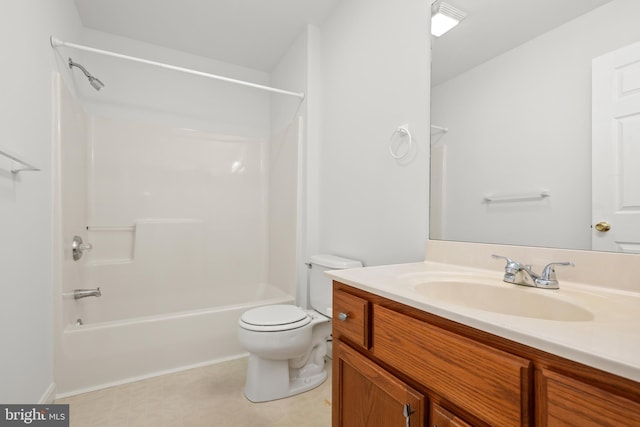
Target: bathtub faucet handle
column 78, row 248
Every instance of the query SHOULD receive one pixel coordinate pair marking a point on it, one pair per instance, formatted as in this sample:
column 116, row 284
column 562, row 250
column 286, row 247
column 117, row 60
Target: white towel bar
column 26, row 166
column 439, row 129
column 517, row 197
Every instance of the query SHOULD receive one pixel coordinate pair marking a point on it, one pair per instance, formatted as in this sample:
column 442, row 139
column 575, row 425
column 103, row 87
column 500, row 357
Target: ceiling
column 250, row 33
column 486, row 33
column 256, row 33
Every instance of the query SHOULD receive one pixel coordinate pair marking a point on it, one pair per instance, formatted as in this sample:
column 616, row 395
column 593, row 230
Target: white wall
column 313, row 140
column 534, row 133
column 375, row 77
column 26, row 359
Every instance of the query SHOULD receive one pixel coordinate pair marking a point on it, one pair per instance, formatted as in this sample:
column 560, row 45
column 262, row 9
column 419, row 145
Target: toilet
column 287, row 344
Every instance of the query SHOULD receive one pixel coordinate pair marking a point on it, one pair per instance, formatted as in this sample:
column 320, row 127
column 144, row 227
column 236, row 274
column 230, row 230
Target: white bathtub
column 103, row 354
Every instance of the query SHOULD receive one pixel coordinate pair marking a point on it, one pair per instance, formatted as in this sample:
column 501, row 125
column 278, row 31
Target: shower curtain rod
column 55, row 42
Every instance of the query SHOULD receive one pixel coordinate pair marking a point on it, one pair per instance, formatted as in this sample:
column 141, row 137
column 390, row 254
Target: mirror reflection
column 522, row 92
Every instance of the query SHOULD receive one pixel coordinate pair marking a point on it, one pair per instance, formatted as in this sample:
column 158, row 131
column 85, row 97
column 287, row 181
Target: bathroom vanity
column 406, row 357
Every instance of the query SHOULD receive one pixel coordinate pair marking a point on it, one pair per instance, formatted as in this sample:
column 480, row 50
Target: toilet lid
column 274, row 318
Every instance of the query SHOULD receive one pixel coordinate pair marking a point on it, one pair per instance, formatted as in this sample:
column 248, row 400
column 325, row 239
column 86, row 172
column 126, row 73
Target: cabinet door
column 488, row 383
column 440, row 417
column 365, row 395
column 564, row 401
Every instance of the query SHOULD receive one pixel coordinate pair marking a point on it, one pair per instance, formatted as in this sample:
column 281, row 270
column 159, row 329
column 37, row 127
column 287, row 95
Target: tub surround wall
column 71, row 174
column 168, row 212
column 174, row 211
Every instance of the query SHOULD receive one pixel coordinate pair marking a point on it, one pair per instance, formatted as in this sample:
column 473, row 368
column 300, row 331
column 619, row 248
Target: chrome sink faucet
column 520, row 274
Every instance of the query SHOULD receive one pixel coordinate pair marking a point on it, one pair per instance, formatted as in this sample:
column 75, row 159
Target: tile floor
column 204, row 397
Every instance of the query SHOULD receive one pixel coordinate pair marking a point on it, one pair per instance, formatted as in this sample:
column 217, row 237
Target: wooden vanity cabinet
column 388, row 355
column 440, row 417
column 366, row 395
column 489, row 383
column 353, row 316
column 565, row 401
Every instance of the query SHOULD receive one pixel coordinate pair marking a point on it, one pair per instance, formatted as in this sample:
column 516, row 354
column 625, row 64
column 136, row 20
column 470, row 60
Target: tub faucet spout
column 83, row 293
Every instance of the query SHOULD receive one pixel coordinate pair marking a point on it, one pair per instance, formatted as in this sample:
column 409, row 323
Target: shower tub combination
column 180, row 222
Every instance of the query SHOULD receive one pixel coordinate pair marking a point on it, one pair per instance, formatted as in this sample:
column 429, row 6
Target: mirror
column 511, row 116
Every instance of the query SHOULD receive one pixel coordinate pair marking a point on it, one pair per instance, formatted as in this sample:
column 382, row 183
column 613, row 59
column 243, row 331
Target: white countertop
column 610, row 341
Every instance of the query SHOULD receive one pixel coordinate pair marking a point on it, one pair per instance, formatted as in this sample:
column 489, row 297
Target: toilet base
column 274, row 379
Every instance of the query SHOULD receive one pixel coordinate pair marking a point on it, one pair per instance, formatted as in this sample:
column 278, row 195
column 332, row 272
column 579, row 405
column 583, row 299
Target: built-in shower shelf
column 111, row 227
column 113, row 245
column 109, row 262
column 19, row 164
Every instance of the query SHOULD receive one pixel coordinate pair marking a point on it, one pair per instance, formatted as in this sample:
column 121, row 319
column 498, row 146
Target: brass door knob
column 603, row 226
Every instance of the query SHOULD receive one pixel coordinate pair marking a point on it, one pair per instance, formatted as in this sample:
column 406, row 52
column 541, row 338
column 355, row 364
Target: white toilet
column 287, row 344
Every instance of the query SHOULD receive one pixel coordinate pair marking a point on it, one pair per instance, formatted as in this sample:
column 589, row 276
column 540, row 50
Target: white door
column 616, row 150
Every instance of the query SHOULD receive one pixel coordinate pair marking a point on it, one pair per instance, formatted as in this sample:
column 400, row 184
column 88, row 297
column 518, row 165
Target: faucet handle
column 549, row 271
column 511, row 267
column 548, row 277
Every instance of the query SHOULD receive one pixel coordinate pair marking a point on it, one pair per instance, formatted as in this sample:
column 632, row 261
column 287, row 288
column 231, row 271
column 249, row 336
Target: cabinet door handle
column 406, row 411
column 343, row 316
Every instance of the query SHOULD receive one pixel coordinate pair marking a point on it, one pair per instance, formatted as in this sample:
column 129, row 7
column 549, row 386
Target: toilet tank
column 320, row 289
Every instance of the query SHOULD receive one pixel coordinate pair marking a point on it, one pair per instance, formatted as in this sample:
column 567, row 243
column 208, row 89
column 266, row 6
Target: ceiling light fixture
column 444, row 17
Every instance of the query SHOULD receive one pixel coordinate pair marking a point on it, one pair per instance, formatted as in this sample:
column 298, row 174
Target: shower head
column 93, row 81
column 96, row 83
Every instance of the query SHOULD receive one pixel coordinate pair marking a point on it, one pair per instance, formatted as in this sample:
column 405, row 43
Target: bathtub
column 102, row 354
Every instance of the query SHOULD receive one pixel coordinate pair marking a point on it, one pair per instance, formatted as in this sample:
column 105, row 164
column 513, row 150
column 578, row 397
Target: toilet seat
column 274, row 318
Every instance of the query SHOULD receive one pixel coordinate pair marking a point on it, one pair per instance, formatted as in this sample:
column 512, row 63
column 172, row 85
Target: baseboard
column 49, row 395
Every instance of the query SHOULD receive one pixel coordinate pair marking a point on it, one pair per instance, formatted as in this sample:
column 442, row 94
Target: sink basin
column 509, row 299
